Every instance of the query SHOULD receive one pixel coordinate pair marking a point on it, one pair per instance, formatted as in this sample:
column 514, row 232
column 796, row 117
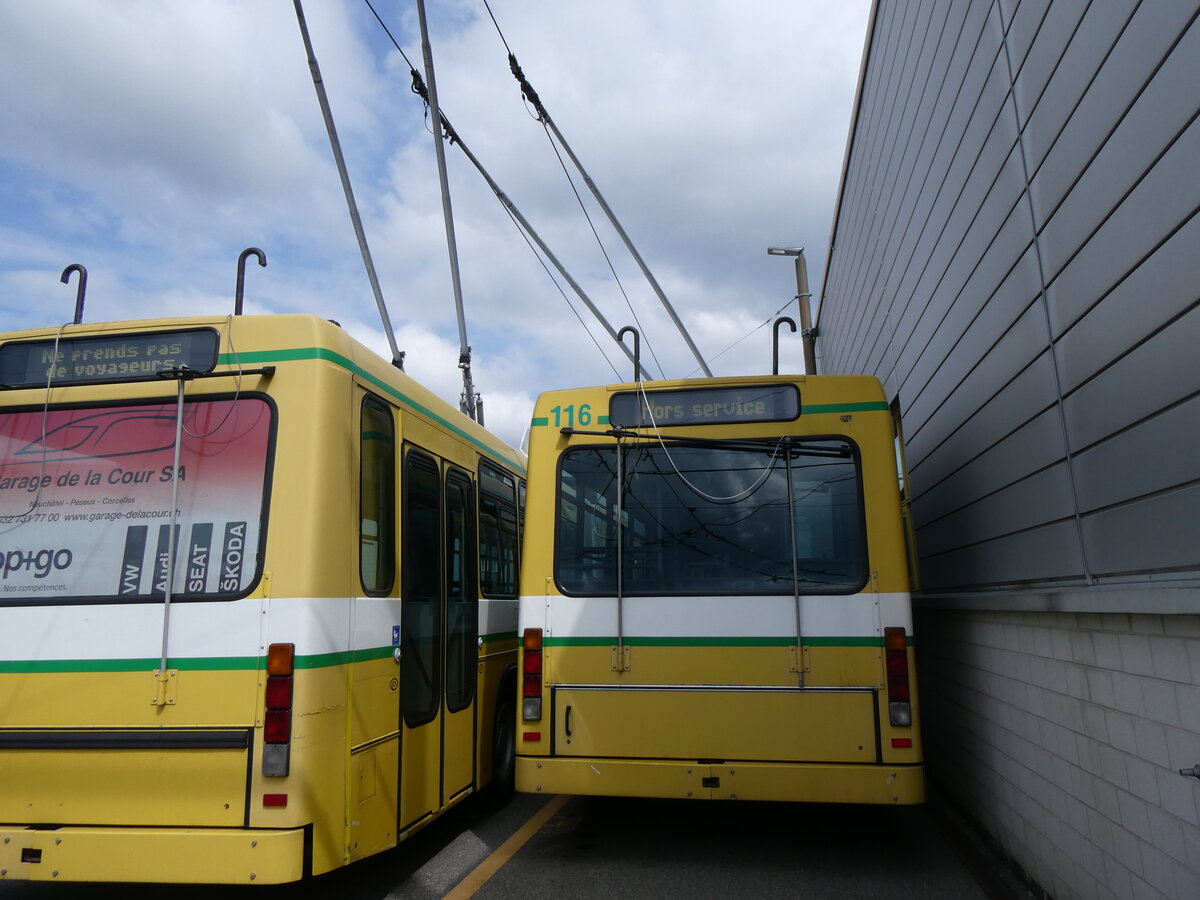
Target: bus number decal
column 565, row 416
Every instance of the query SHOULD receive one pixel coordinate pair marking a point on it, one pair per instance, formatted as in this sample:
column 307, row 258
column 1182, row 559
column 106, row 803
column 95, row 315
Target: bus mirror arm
column 612, row 432
column 185, row 374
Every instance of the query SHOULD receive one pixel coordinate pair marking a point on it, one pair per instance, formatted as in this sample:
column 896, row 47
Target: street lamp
column 803, row 296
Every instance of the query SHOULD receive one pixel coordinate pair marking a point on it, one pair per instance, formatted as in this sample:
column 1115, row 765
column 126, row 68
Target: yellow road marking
column 479, row 876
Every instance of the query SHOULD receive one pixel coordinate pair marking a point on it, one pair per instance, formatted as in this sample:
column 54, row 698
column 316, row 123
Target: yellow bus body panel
column 705, row 723
column 117, row 787
column 182, row 855
column 799, row 782
column 107, row 699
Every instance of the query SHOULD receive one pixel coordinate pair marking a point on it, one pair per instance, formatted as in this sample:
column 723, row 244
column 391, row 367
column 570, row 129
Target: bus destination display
column 121, row 357
column 708, row 406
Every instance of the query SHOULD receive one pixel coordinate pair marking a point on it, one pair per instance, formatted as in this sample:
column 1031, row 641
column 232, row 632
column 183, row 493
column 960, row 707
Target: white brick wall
column 1062, row 734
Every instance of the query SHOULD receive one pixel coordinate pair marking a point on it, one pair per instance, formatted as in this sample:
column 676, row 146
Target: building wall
column 1016, row 255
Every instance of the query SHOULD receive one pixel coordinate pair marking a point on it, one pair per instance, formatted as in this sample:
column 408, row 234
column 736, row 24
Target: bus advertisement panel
column 86, row 496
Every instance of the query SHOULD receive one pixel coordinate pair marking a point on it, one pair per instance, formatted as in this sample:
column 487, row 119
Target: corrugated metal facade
column 1015, row 255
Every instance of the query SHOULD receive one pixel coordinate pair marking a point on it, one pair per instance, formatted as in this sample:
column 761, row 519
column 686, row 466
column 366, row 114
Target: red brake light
column 277, row 726
column 279, row 692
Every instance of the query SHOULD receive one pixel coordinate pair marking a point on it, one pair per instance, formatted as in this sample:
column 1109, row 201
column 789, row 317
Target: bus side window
column 377, row 497
column 489, row 546
column 499, row 539
column 462, row 600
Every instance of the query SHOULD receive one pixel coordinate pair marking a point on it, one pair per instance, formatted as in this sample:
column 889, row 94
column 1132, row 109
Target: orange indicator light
column 281, row 659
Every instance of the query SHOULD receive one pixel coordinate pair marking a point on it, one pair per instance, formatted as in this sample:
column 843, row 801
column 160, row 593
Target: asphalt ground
column 567, row 847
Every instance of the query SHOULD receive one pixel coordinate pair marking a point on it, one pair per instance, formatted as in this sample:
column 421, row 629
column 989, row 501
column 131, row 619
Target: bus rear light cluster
column 531, row 683
column 895, row 648
column 277, row 717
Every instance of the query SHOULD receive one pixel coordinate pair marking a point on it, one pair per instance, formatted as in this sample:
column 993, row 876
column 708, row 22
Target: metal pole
column 807, row 332
column 435, row 115
column 327, row 114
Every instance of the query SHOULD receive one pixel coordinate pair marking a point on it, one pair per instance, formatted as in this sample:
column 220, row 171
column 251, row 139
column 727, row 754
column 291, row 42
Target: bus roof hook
column 241, row 275
column 637, row 349
column 80, row 290
column 782, row 320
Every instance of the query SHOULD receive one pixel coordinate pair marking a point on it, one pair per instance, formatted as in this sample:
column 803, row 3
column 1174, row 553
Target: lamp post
column 803, row 296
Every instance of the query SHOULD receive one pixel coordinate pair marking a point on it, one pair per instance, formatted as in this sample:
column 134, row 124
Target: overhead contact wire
column 523, row 225
column 531, row 96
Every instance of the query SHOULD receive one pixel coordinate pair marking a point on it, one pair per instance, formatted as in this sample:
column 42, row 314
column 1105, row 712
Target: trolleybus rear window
column 85, row 501
column 704, row 519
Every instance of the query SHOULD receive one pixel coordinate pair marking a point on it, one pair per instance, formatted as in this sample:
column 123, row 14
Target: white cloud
column 153, row 141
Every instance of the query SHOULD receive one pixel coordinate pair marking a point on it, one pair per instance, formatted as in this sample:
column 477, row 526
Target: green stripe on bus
column 191, row 664
column 206, row 664
column 294, row 354
column 184, row 664
column 498, row 636
column 813, row 409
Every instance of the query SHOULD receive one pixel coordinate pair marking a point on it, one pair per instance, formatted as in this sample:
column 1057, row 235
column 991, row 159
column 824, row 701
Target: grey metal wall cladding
column 1014, row 255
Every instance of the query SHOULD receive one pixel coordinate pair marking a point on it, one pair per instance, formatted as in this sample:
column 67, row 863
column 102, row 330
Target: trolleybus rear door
column 439, row 622
column 462, row 625
column 422, row 632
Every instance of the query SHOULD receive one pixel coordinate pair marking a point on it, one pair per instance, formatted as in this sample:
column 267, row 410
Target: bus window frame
column 15, row 600
column 387, row 492
column 506, row 502
column 789, row 587
column 417, row 456
column 469, row 560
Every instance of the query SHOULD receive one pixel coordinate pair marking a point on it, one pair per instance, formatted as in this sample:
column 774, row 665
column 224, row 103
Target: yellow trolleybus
column 257, row 601
column 715, row 594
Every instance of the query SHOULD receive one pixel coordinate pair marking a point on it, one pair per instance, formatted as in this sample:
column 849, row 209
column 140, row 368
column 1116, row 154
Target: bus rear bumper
column 798, row 782
column 166, row 855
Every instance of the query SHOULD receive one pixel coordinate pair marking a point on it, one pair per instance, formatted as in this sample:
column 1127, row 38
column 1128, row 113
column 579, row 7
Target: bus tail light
column 277, row 716
column 895, row 647
column 531, row 683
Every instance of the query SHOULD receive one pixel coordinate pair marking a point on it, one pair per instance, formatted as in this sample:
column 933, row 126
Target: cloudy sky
column 153, row 140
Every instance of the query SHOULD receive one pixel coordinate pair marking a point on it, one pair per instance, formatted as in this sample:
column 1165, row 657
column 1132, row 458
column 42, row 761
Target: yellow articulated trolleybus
column 257, row 602
column 715, row 594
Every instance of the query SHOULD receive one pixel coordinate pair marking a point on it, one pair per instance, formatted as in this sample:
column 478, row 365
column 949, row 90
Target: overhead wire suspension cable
column 529, row 230
column 514, row 213
column 757, row 327
column 603, row 252
column 531, row 96
column 327, row 114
